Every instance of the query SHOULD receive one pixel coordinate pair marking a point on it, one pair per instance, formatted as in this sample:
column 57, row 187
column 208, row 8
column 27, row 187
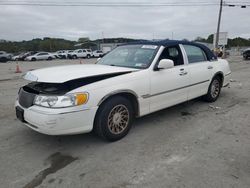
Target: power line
column 119, row 4
column 105, row 4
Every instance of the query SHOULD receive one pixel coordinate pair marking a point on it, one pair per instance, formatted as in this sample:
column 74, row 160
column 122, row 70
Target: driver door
column 169, row 86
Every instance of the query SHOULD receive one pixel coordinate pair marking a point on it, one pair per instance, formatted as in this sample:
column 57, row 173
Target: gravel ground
column 194, row 144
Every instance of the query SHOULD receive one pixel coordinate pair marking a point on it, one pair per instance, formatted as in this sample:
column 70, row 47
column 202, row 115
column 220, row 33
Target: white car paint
column 70, row 72
column 82, row 53
column 154, row 90
column 97, row 53
column 41, row 56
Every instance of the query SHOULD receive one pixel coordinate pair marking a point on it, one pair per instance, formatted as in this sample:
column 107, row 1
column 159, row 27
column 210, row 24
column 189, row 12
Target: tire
column 213, row 90
column 88, row 56
column 74, row 57
column 114, row 118
column 33, row 59
column 49, row 58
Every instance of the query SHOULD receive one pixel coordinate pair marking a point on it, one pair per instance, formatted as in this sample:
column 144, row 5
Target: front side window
column 195, row 54
column 173, row 53
column 134, row 56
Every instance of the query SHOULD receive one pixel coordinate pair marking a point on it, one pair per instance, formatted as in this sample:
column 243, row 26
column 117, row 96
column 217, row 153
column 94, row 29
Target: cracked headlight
column 68, row 100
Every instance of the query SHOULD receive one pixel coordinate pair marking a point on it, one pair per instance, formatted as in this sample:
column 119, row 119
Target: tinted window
column 195, row 54
column 173, row 53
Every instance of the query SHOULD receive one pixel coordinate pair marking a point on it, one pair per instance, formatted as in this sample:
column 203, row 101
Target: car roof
column 165, row 43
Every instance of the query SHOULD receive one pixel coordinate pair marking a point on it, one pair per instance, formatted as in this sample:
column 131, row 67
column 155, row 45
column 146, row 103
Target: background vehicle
column 89, row 53
column 62, row 54
column 81, row 53
column 40, row 56
column 4, row 57
column 70, row 53
column 17, row 57
column 246, row 54
column 97, row 53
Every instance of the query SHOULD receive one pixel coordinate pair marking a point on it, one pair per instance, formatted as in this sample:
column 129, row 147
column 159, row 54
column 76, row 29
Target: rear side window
column 41, row 54
column 195, row 54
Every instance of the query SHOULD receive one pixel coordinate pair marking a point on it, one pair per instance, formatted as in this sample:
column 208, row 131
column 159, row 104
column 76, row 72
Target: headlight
column 61, row 101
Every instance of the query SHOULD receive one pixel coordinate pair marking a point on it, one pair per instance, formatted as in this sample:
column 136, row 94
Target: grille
column 25, row 98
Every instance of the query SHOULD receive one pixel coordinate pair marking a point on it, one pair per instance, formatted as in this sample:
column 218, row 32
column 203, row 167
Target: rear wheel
column 88, row 56
column 214, row 90
column 49, row 58
column 114, row 118
column 33, row 59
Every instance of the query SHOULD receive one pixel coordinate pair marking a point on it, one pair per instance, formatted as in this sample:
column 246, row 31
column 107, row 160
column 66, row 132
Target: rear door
column 200, row 70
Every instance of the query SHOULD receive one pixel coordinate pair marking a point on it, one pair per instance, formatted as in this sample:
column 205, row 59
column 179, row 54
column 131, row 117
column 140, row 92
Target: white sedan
column 40, row 56
column 131, row 81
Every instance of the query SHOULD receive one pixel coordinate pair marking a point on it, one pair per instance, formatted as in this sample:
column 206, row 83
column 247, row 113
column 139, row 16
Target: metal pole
column 218, row 26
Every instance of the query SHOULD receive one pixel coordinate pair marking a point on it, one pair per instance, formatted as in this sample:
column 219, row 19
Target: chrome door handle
column 210, row 67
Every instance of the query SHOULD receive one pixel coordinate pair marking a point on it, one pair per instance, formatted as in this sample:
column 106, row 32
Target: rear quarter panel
column 222, row 65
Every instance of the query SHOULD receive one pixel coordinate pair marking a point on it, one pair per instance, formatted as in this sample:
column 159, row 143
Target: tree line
column 235, row 42
column 54, row 44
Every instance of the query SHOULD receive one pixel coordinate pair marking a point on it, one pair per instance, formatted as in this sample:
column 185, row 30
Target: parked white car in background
column 41, row 56
column 81, row 53
column 97, row 53
column 131, row 81
column 62, row 54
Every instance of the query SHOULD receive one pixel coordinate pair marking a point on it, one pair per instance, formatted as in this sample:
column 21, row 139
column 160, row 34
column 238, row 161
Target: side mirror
column 166, row 64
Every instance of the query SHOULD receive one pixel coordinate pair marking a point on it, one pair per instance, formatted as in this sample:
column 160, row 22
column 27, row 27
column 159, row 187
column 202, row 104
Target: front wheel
column 213, row 90
column 114, row 118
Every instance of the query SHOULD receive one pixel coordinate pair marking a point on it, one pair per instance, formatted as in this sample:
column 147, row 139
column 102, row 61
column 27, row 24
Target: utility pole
column 218, row 26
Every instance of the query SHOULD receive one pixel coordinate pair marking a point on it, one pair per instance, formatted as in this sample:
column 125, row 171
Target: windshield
column 134, row 56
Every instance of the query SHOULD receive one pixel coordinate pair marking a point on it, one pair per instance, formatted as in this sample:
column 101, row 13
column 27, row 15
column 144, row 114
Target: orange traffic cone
column 18, row 70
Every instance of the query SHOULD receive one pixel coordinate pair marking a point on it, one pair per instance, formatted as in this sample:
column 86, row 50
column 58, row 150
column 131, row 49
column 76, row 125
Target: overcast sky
column 27, row 22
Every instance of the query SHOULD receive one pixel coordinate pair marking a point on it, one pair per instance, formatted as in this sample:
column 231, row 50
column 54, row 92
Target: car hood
column 61, row 74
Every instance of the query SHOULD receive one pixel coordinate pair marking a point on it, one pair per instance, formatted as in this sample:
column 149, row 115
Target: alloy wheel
column 118, row 119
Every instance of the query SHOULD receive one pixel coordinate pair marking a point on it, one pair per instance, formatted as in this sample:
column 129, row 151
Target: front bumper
column 58, row 121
